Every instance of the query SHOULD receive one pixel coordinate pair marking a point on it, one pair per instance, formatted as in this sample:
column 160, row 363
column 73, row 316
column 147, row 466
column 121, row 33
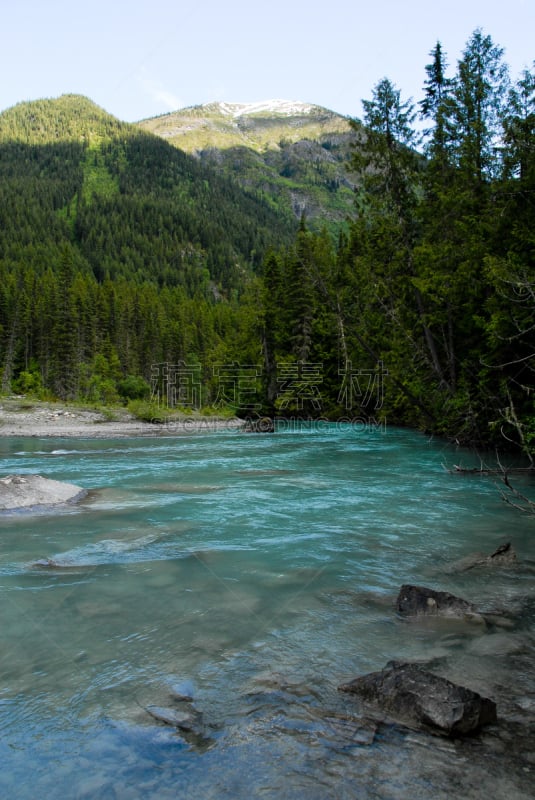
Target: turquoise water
column 253, row 574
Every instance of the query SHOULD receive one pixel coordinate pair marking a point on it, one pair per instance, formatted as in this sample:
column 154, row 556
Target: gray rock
column 25, row 491
column 420, row 600
column 345, row 730
column 50, row 563
column 45, row 563
column 499, row 620
column 414, row 696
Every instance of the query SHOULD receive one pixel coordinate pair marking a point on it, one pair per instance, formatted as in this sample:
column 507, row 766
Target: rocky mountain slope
column 296, row 153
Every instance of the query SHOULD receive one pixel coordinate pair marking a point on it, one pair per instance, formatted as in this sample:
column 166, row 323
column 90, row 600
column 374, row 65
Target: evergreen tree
column 386, row 159
column 476, row 111
column 273, row 297
column 434, row 109
column 519, row 129
column 300, row 295
column 66, row 360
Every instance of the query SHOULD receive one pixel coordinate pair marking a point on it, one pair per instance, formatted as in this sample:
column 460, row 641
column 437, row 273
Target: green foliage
column 148, row 412
column 29, row 382
column 119, row 253
column 436, row 278
column 477, row 107
column 98, row 180
column 133, row 387
column 131, row 206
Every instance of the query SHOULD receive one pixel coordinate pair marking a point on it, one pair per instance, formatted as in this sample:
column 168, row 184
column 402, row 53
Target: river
column 240, row 579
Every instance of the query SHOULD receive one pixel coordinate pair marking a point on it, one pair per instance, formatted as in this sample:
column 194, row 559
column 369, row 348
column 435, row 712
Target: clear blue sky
column 138, row 59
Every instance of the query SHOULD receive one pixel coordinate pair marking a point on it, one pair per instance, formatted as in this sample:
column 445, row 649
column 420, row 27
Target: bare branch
column 527, row 507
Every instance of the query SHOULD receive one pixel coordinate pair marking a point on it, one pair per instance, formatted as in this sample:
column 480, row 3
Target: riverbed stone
column 412, row 695
column 414, row 601
column 171, row 716
column 27, row 491
column 187, row 721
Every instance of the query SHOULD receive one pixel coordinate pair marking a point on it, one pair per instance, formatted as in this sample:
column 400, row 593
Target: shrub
column 134, row 387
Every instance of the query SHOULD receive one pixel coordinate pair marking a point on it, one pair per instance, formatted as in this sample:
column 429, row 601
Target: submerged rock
column 170, row 716
column 52, row 564
column 420, row 600
column 414, row 695
column 27, row 491
column 503, row 556
column 47, row 563
column 501, row 644
column 186, row 720
column 345, row 730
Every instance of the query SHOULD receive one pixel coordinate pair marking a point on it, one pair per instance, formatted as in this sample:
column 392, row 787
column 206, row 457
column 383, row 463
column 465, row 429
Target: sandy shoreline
column 40, row 420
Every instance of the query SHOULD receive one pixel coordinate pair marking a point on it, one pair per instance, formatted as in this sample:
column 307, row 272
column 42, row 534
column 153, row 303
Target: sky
column 139, row 59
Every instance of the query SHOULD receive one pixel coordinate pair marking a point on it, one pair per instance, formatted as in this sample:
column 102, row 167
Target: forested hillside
column 436, row 280
column 116, row 250
column 119, row 252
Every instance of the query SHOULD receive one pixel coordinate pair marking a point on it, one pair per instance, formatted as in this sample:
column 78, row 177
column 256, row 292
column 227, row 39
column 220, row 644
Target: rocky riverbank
column 24, row 417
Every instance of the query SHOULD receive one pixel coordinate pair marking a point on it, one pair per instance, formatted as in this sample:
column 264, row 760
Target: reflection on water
column 235, row 582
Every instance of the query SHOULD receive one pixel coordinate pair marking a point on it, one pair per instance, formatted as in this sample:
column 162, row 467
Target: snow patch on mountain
column 287, row 107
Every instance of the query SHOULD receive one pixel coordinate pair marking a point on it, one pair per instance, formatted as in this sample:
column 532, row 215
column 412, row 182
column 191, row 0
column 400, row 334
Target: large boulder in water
column 420, row 600
column 26, row 491
column 412, row 695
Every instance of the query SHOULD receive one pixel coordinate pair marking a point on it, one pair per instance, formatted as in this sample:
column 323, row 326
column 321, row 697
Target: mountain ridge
column 276, row 106
column 293, row 151
column 37, row 121
column 253, row 118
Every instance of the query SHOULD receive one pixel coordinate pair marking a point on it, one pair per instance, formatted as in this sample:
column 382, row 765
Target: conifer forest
column 120, row 253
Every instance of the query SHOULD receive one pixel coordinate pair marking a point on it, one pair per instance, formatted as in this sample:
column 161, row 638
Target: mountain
column 295, row 153
column 257, row 126
column 128, row 204
column 120, row 251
